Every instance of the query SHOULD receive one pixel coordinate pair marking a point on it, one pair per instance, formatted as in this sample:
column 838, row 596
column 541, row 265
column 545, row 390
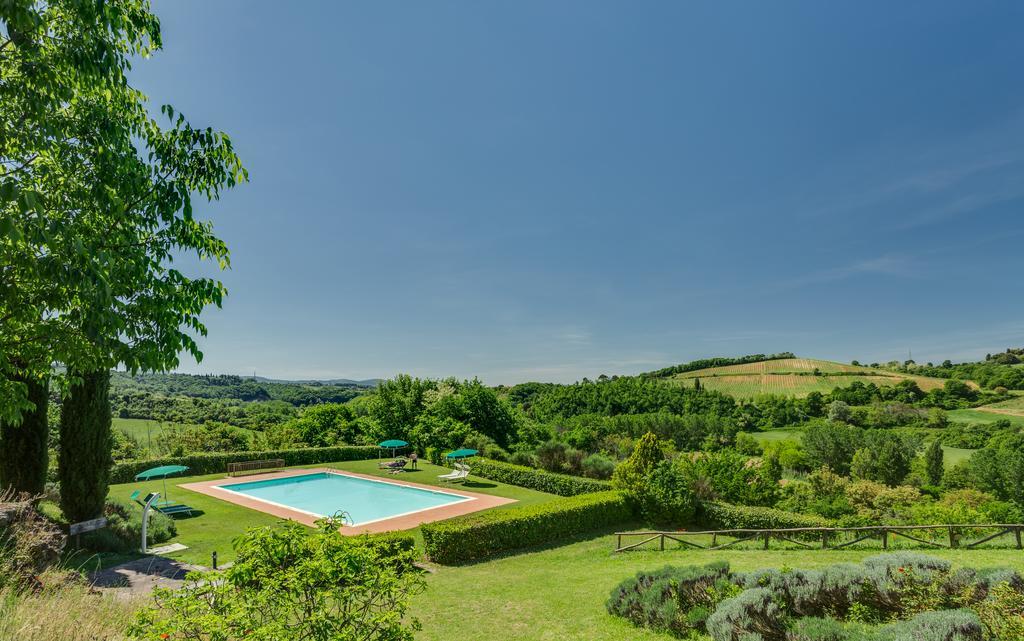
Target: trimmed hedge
column 217, row 462
column 724, row 516
column 540, row 480
column 479, row 535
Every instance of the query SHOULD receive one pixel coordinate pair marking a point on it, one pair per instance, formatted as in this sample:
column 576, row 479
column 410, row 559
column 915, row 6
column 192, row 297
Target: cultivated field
column 795, row 377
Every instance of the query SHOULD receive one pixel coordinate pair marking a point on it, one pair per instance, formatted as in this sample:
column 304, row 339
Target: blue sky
column 542, row 190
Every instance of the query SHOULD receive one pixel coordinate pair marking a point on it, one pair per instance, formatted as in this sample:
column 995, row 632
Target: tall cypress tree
column 23, row 444
column 933, row 462
column 85, row 443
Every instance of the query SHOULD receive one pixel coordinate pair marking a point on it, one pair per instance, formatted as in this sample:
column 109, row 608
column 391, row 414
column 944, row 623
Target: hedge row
column 725, row 516
column 217, row 462
column 560, row 484
column 479, row 535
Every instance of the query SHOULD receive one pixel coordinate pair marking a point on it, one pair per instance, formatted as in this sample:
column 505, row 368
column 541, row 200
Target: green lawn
column 220, row 521
column 976, row 416
column 559, row 593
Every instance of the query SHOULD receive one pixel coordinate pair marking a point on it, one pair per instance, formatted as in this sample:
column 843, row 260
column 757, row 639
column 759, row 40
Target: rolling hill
column 794, row 377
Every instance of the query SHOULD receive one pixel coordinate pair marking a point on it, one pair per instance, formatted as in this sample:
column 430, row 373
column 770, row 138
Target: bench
column 254, row 467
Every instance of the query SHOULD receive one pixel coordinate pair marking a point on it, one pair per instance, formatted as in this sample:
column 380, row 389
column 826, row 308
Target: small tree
column 933, row 462
column 633, row 476
column 292, row 583
column 839, row 412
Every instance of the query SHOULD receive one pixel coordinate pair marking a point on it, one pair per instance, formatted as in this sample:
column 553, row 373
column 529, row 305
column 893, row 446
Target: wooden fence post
column 1016, row 532
column 662, row 542
column 619, row 546
column 824, row 539
column 885, row 539
column 952, row 538
column 767, row 535
column 714, row 539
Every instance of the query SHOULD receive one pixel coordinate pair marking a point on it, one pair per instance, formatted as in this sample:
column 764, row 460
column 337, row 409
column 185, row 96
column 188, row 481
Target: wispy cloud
column 898, row 266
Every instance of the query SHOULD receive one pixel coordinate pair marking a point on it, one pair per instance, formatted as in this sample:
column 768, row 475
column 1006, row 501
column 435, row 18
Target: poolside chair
column 384, row 465
column 449, row 476
column 169, row 508
column 460, row 474
column 398, row 467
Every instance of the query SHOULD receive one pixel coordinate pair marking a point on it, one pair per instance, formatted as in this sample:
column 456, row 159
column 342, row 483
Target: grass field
column 981, row 415
column 220, row 522
column 559, row 593
column 794, row 377
column 146, row 431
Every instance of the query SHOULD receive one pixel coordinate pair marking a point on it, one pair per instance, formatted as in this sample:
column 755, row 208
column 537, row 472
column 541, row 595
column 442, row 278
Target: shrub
column 670, row 499
column 727, row 516
column 479, row 535
column 292, row 583
column 754, row 614
column 943, row 625
column 560, row 484
column 215, row 463
column 124, row 520
column 1003, row 612
column 747, row 444
column 598, row 466
column 675, row 600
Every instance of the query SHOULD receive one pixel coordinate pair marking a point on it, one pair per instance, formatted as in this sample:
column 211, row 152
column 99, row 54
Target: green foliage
column 753, row 614
column 999, row 468
column 124, row 520
column 627, row 395
column 632, row 476
column 676, row 600
column 598, row 466
column 933, row 461
column 97, row 197
column 748, row 445
column 211, row 437
column 85, row 444
column 23, row 443
column 885, row 457
column 216, row 463
column 669, row 499
column 725, row 516
column 732, row 477
column 832, row 445
column 290, row 583
column 1002, row 613
column 540, row 480
column 483, row 534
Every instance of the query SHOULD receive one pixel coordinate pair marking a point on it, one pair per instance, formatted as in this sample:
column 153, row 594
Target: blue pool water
column 325, row 494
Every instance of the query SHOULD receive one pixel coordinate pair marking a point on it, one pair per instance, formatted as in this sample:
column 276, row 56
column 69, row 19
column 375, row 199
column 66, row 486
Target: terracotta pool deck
column 479, row 501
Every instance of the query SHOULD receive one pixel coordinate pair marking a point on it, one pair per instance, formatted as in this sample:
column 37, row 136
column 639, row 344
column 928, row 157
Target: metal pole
column 145, row 518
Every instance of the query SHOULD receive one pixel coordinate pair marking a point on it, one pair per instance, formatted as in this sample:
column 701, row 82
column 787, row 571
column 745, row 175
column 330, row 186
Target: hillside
column 795, row 377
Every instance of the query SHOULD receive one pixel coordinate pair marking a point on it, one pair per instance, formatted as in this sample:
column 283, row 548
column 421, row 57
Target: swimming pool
column 324, row 494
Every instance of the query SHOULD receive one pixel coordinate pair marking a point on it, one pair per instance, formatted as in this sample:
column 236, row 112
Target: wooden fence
column 826, row 538
column 251, row 467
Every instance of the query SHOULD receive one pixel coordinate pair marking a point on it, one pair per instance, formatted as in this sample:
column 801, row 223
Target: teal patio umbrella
column 393, row 445
column 161, row 472
column 463, row 453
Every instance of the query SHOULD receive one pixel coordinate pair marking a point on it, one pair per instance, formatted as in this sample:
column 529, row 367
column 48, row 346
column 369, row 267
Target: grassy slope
column 794, row 377
column 220, row 521
column 559, row 593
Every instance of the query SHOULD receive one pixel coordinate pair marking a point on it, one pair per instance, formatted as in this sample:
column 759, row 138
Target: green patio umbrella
column 393, row 444
column 161, row 472
column 463, row 453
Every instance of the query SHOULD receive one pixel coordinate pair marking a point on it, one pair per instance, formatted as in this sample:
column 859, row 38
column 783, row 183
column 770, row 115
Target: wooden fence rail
column 252, row 467
column 826, row 538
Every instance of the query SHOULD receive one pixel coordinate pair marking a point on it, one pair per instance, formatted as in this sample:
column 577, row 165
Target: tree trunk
column 23, row 446
column 85, row 443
